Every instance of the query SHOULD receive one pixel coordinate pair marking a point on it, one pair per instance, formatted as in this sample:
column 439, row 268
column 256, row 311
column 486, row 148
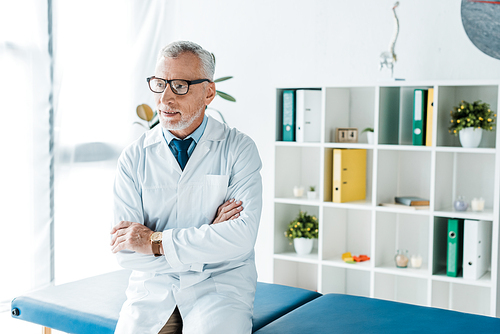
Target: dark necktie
column 182, row 151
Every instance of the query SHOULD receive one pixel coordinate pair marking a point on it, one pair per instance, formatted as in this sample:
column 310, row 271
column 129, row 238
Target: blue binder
column 289, row 115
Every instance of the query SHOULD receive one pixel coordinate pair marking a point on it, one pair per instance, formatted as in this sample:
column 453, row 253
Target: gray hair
column 175, row 49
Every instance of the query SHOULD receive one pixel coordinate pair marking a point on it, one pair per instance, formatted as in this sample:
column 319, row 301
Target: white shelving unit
column 395, row 167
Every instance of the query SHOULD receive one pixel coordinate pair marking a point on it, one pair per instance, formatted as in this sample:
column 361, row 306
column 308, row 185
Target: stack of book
column 408, row 203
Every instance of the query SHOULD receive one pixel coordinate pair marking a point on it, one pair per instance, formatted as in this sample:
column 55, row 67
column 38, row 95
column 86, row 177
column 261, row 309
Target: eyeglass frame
column 189, row 83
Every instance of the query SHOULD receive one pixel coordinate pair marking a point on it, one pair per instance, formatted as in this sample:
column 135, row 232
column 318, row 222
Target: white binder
column 477, row 248
column 308, row 116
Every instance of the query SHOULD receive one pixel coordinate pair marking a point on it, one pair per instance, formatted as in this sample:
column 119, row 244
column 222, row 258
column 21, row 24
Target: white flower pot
column 370, row 137
column 470, row 137
column 303, row 246
column 311, row 195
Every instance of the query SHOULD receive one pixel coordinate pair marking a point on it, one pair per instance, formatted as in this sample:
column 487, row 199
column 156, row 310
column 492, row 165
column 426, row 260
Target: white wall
column 286, row 43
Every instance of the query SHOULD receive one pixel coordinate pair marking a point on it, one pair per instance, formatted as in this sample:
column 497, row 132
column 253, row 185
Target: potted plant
column 369, row 135
column 302, row 230
column 469, row 120
column 311, row 194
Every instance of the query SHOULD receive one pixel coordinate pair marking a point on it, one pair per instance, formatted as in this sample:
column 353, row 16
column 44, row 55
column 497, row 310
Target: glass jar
column 401, row 258
column 460, row 204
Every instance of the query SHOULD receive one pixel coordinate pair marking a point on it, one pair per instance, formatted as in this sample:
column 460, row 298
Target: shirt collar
column 196, row 135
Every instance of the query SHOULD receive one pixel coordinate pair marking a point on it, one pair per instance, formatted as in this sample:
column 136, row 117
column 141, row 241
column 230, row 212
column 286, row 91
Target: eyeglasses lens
column 157, row 85
column 179, row 87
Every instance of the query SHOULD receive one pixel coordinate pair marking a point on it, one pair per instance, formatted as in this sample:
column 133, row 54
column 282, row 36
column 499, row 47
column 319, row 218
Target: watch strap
column 156, row 241
column 155, row 246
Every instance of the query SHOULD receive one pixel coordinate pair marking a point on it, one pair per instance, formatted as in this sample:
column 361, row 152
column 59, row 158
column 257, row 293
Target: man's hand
column 132, row 236
column 228, row 211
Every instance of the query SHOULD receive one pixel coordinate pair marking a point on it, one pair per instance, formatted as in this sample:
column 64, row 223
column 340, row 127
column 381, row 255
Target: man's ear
column 210, row 93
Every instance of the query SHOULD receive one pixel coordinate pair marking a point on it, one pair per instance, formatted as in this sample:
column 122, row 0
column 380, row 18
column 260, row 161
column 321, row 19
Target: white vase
column 370, row 137
column 311, row 195
column 298, row 191
column 470, row 137
column 303, row 246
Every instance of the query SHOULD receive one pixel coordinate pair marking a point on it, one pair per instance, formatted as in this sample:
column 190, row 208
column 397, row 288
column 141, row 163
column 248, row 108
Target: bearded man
column 188, row 200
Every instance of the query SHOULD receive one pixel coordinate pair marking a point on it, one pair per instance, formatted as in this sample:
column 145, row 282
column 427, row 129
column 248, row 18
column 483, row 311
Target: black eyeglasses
column 178, row 86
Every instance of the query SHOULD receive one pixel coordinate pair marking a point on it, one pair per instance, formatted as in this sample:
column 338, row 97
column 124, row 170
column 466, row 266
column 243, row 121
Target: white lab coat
column 208, row 271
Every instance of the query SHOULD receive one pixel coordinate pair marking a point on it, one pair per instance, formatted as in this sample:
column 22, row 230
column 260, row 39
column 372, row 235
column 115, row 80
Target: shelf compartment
column 328, row 178
column 396, row 115
column 296, row 274
column 283, row 215
column 295, row 144
column 390, row 268
column 349, row 107
column 484, row 281
column 401, row 231
column 487, row 214
column 337, row 261
column 403, row 289
column 440, row 255
column 293, row 256
column 403, row 173
column 451, row 96
column 402, row 210
column 344, row 231
column 296, row 166
column 297, row 201
column 464, row 174
column 279, row 110
column 357, row 205
column 461, row 297
column 346, row 281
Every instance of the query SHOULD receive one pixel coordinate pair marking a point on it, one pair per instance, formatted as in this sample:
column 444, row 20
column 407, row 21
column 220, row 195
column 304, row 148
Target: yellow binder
column 349, row 175
column 429, row 117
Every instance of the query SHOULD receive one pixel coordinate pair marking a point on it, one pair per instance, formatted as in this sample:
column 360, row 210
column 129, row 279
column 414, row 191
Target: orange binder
column 349, row 175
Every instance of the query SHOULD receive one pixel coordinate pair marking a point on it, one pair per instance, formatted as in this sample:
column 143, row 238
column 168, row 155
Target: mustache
column 169, row 110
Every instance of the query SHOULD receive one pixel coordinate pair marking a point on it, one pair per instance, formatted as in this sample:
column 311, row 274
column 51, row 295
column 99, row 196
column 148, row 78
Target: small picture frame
column 346, row 135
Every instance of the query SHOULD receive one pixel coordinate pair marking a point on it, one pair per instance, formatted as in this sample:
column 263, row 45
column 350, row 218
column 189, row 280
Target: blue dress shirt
column 196, row 135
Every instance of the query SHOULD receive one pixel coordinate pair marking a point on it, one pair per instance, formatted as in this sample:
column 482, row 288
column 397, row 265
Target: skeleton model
column 388, row 58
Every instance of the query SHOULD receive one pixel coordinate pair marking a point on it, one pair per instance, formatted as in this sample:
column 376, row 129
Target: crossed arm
column 136, row 237
column 191, row 248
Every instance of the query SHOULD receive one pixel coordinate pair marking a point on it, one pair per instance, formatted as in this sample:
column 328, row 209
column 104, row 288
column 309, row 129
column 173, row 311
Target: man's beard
column 183, row 123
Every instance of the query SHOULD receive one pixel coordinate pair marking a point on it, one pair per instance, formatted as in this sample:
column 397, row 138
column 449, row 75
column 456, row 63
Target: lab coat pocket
column 214, row 193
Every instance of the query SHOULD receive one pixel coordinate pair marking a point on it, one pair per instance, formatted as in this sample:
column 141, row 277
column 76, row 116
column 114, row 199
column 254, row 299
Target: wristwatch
column 156, row 240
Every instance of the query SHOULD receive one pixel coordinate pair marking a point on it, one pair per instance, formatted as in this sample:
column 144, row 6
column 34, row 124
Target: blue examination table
column 92, row 305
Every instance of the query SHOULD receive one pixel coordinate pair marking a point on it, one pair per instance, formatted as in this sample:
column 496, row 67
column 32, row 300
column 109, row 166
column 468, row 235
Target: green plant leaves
column 367, row 130
column 223, row 79
column 304, row 226
column 471, row 115
column 225, row 96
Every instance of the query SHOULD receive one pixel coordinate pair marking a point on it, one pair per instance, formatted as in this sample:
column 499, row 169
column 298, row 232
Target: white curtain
column 26, row 222
column 104, row 50
column 58, row 159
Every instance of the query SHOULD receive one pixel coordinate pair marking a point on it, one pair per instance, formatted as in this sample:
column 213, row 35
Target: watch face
column 156, row 237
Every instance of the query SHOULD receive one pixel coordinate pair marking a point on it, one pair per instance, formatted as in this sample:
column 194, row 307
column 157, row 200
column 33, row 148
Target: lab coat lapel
column 155, row 136
column 213, row 132
column 201, row 149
